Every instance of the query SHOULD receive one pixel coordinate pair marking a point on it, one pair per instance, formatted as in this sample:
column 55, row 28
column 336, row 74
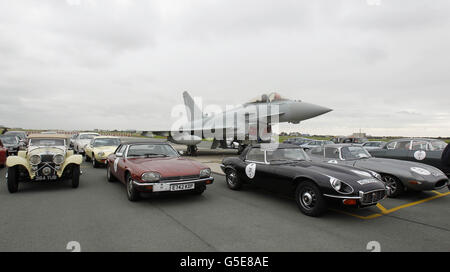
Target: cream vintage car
column 47, row 158
column 100, row 148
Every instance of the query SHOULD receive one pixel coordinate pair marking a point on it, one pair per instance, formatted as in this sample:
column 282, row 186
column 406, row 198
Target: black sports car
column 427, row 151
column 288, row 168
column 397, row 174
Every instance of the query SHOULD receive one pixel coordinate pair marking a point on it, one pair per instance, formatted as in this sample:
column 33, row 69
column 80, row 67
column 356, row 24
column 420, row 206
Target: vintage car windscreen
column 354, row 153
column 287, row 154
column 9, row 140
column 150, row 150
column 106, row 142
column 47, row 142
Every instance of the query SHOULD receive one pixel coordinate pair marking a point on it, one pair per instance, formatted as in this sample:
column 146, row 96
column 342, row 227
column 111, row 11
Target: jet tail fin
column 194, row 110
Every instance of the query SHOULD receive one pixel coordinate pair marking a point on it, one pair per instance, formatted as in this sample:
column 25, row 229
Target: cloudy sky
column 383, row 66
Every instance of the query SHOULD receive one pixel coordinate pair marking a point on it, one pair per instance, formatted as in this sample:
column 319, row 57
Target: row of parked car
column 346, row 174
column 141, row 166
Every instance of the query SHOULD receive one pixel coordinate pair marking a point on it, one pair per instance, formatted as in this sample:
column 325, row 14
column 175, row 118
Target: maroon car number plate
column 182, row 187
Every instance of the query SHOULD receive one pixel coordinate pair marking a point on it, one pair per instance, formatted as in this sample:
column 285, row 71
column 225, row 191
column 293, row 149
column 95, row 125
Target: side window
column 256, row 154
column 403, row 145
column 331, row 153
column 391, row 145
column 317, row 151
column 419, row 145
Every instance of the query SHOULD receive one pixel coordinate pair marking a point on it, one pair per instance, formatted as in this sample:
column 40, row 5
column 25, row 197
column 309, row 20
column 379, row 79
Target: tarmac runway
column 98, row 215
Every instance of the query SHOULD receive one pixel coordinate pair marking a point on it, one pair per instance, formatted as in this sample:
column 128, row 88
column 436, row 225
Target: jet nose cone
column 300, row 111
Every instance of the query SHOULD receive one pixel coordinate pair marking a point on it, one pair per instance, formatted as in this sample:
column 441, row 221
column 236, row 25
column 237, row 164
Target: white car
column 82, row 140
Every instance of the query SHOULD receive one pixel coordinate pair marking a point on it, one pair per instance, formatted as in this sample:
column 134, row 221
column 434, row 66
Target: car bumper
column 149, row 186
column 426, row 185
column 364, row 199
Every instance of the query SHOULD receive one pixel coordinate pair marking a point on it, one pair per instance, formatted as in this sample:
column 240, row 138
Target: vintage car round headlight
column 420, row 171
column 205, row 173
column 58, row 159
column 35, row 159
column 335, row 183
column 101, row 154
column 151, row 176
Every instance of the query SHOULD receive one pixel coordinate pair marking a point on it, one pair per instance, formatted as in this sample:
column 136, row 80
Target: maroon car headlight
column 205, row 173
column 151, row 177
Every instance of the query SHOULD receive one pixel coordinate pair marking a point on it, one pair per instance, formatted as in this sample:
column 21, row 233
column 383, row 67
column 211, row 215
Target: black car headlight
column 205, row 173
column 340, row 186
column 151, row 176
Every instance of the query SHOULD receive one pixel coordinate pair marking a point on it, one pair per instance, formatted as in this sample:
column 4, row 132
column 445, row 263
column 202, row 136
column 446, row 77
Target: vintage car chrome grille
column 41, row 166
column 180, row 178
column 373, row 197
column 46, row 158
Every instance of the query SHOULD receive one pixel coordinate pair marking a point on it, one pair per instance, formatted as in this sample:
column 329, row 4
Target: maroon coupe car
column 3, row 154
column 155, row 167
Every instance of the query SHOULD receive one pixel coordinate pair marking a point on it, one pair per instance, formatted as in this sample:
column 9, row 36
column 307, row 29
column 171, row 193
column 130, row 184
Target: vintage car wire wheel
column 132, row 194
column 395, row 185
column 309, row 199
column 232, row 179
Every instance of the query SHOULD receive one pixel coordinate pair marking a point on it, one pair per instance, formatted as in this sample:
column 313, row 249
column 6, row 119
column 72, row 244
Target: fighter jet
column 244, row 124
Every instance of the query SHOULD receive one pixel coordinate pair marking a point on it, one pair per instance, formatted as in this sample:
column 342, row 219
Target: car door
column 255, row 167
column 118, row 164
column 421, row 151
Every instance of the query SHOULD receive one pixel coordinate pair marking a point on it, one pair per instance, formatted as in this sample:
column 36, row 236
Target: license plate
column 182, row 187
column 161, row 187
column 47, row 178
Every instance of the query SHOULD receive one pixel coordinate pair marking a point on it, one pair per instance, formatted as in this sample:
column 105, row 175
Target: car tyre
column 232, row 179
column 109, row 175
column 199, row 190
column 310, row 199
column 87, row 158
column 132, row 194
column 13, row 180
column 75, row 176
column 395, row 184
column 95, row 164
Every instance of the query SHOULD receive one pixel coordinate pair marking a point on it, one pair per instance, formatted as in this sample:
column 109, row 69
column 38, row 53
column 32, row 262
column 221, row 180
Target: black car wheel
column 109, row 176
column 75, row 176
column 132, row 194
column 233, row 181
column 95, row 164
column 309, row 199
column 395, row 185
column 199, row 190
column 12, row 180
column 87, row 158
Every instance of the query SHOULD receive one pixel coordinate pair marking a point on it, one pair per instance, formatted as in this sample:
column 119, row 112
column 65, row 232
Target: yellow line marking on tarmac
column 385, row 211
column 382, row 209
column 436, row 192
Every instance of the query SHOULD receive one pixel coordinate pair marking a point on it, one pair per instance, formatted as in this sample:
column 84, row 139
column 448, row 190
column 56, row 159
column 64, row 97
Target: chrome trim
column 171, row 183
column 342, row 197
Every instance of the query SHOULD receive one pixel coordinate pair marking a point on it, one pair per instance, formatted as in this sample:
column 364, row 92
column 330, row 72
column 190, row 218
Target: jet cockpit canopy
column 267, row 98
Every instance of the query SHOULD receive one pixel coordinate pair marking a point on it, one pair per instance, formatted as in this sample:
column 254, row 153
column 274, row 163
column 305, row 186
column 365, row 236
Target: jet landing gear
column 191, row 150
